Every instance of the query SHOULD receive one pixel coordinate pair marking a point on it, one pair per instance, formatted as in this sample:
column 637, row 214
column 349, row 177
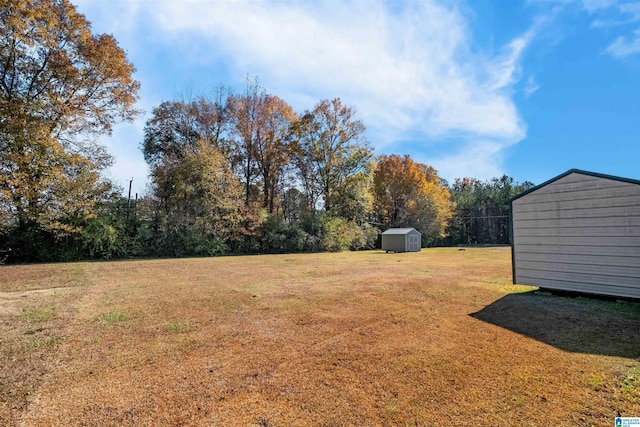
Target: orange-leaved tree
column 59, row 84
column 410, row 194
column 272, row 148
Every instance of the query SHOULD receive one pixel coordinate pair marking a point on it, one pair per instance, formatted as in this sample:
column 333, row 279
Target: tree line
column 229, row 172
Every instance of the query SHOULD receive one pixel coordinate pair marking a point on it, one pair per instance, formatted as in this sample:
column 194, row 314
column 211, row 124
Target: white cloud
column 632, row 9
column 624, row 46
column 593, row 5
column 628, row 44
column 410, row 72
column 531, row 87
column 414, row 69
column 480, row 159
column 606, row 23
column 626, row 16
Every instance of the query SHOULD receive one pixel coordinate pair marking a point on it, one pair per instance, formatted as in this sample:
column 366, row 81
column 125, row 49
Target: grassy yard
column 439, row 337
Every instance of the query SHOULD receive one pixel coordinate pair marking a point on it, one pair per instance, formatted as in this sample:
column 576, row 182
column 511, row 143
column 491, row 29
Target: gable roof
column 401, row 231
column 569, row 172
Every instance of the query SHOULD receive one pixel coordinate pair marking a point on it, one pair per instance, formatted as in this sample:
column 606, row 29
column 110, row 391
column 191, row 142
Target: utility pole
column 129, row 197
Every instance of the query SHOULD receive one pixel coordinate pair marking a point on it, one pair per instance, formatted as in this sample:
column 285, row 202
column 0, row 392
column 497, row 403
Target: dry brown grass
column 439, row 337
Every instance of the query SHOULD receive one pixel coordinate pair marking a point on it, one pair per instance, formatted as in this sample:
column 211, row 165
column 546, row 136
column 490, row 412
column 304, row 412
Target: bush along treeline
column 229, row 173
column 245, row 173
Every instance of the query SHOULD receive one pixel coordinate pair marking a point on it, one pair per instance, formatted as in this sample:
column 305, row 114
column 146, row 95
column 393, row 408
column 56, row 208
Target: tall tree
column 201, row 198
column 176, row 126
column 170, row 132
column 56, row 73
column 333, row 156
column 410, row 194
column 482, row 210
column 273, row 145
column 246, row 120
column 59, row 84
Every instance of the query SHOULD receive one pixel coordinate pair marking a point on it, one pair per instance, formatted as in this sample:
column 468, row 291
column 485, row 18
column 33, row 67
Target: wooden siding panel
column 606, row 221
column 565, row 185
column 624, row 191
column 394, row 242
column 577, row 177
column 629, row 241
column 607, row 201
column 586, row 278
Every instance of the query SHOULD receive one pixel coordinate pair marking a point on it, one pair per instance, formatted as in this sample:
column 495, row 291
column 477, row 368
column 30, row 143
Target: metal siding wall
column 579, row 233
column 394, row 242
column 417, row 235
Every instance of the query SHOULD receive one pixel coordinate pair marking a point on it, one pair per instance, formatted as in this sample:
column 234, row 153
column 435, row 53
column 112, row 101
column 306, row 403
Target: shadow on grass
column 582, row 325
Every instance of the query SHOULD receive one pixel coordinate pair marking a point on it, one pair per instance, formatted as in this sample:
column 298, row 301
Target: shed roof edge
column 397, row 229
column 570, row 171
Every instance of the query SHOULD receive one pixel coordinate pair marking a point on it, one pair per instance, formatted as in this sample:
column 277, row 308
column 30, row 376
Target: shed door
column 414, row 243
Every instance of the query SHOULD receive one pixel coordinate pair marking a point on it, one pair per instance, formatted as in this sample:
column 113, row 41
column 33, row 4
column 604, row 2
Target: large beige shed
column 580, row 232
column 401, row 240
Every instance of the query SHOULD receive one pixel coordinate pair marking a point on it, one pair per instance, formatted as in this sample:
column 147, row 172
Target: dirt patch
column 11, row 303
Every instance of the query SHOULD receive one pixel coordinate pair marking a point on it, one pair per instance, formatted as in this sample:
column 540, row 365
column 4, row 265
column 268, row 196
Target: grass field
column 439, row 337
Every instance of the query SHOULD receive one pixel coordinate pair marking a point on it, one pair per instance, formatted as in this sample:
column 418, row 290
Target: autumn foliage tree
column 233, row 172
column 59, row 84
column 246, row 119
column 175, row 127
column 273, row 145
column 410, row 194
column 334, row 158
column 199, row 207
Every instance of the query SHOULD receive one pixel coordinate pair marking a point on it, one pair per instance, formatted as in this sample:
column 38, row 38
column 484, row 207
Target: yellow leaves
column 60, row 81
column 61, row 74
column 200, row 192
column 63, row 230
column 410, row 194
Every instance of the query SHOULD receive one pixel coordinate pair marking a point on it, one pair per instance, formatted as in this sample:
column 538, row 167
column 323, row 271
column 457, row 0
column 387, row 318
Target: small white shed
column 401, row 240
column 579, row 232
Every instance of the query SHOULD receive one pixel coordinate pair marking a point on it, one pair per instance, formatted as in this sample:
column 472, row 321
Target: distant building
column 401, row 240
column 580, row 232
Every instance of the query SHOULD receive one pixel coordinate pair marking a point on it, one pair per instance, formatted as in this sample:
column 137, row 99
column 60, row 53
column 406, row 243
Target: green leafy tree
column 199, row 200
column 175, row 127
column 334, row 159
column 482, row 209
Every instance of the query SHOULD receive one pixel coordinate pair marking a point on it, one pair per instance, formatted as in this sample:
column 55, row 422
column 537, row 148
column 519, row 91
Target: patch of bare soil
column 11, row 302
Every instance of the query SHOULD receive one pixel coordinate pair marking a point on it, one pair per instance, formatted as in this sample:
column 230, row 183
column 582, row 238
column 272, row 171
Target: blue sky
column 474, row 88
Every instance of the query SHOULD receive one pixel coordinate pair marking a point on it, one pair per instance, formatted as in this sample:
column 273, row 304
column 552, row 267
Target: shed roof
column 569, row 172
column 401, row 231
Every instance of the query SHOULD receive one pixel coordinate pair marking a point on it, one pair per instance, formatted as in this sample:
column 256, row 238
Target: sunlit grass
column 37, row 315
column 181, row 326
column 115, row 317
column 363, row 338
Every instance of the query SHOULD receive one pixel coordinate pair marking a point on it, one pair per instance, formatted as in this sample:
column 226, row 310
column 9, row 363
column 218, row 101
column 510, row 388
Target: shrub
column 338, row 234
column 278, row 236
